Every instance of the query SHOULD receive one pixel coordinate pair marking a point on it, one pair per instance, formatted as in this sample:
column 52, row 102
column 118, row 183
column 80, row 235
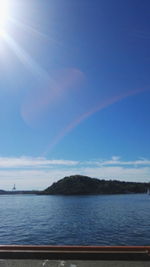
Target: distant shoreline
column 19, row 192
column 40, row 193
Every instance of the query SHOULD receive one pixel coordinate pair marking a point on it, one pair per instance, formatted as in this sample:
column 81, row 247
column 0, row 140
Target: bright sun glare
column 4, row 13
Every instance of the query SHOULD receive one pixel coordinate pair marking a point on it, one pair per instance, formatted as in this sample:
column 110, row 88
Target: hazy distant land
column 17, row 192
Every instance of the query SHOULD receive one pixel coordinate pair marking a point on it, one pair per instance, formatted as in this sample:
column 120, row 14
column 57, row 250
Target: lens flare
column 4, row 13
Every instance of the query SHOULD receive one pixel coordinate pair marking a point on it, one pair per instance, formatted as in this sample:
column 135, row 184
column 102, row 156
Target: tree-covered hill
column 78, row 184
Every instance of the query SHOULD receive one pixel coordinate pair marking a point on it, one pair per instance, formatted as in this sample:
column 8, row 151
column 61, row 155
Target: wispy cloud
column 39, row 173
column 40, row 179
column 116, row 161
column 37, row 162
column 42, row 162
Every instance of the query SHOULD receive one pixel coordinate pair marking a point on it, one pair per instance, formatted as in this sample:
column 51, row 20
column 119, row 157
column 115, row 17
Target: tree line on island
column 84, row 185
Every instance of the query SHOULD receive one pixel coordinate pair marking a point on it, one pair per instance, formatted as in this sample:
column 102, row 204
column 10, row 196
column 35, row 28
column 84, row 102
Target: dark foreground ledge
column 81, row 253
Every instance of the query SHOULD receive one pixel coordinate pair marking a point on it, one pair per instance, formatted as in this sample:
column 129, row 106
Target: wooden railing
column 133, row 253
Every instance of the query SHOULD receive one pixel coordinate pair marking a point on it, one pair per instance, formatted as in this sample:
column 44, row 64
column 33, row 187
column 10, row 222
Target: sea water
column 75, row 220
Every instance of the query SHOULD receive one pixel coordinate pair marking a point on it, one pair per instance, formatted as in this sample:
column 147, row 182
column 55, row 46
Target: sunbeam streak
column 4, row 13
column 25, row 58
column 32, row 30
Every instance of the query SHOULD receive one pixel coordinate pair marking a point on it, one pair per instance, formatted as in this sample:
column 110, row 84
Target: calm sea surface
column 75, row 220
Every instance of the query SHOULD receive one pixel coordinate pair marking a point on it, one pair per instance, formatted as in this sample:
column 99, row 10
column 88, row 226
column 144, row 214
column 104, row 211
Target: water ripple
column 75, row 220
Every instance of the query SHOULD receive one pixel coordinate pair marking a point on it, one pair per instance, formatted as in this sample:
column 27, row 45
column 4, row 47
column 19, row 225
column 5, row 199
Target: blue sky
column 74, row 91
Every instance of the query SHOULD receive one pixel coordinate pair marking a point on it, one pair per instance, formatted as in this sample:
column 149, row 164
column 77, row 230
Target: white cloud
column 41, row 162
column 120, row 173
column 20, row 162
column 38, row 173
column 115, row 160
column 40, row 179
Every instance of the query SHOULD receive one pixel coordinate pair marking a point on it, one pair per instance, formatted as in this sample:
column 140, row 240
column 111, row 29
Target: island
column 84, row 185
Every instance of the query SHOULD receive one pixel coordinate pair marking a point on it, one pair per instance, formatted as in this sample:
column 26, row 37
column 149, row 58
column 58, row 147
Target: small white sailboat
column 148, row 191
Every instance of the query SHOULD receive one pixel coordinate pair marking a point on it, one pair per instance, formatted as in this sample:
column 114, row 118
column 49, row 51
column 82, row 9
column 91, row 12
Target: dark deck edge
column 128, row 253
